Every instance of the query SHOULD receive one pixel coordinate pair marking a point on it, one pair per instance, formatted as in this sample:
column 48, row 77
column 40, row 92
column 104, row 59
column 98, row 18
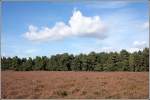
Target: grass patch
column 62, row 93
column 83, row 93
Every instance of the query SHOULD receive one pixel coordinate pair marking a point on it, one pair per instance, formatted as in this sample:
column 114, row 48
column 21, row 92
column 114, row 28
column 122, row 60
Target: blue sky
column 47, row 28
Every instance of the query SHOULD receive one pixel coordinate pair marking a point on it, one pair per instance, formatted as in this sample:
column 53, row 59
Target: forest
column 103, row 61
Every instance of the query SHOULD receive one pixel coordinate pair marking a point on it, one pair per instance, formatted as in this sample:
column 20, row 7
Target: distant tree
column 27, row 65
column 113, row 61
column 53, row 63
column 145, row 59
column 77, row 64
column 6, row 63
column 124, row 58
column 65, row 62
column 102, row 60
column 92, row 59
column 132, row 62
column 44, row 63
column 16, row 62
column 38, row 63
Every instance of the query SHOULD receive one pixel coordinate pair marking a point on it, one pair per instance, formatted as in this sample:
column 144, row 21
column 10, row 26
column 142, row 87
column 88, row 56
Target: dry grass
column 44, row 84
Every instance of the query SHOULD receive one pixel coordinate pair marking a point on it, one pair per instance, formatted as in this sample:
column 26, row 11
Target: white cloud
column 59, row 31
column 78, row 25
column 86, row 26
column 30, row 51
column 139, row 44
column 109, row 4
column 146, row 25
column 133, row 49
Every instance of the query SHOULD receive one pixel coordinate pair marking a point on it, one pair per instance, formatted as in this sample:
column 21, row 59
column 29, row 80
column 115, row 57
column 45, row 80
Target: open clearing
column 45, row 84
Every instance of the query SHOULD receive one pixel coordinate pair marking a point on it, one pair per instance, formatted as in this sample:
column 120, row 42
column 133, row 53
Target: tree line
column 113, row 61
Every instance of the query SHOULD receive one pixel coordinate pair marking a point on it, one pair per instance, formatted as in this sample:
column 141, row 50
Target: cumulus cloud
column 139, row 44
column 86, row 26
column 59, row 31
column 133, row 49
column 78, row 25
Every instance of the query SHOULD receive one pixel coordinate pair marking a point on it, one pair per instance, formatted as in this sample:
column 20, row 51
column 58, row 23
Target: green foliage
column 27, row 65
column 113, row 61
